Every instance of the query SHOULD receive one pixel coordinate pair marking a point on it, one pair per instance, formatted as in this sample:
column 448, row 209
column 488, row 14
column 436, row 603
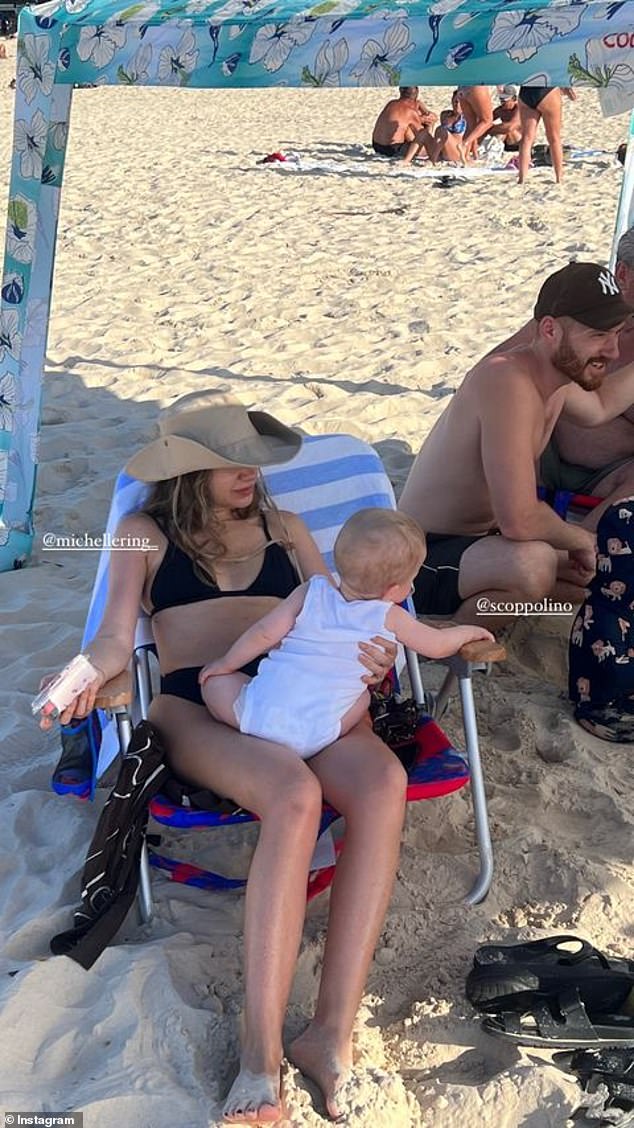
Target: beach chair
column 330, row 478
column 568, row 505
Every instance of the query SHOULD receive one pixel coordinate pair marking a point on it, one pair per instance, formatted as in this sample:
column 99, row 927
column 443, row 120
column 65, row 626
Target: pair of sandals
column 562, row 993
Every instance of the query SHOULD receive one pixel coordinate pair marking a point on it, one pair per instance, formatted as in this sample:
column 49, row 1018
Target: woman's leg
column 275, row 784
column 363, row 779
column 481, row 115
column 529, row 121
column 550, row 109
column 446, row 146
column 356, row 713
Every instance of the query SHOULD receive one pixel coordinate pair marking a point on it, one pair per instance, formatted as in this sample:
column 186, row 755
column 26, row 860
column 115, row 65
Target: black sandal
column 553, row 950
column 613, row 1068
column 563, row 1021
column 509, row 977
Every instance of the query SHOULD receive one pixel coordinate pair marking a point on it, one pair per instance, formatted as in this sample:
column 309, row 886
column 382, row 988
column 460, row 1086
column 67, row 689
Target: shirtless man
column 506, row 119
column 597, row 460
column 401, row 129
column 473, row 485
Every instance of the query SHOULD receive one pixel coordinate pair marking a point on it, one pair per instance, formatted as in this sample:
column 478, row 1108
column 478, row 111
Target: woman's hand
column 378, row 656
column 81, row 705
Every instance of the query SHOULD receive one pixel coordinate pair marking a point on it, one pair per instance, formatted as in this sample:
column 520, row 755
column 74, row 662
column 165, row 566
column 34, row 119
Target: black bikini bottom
column 183, row 683
column 531, row 96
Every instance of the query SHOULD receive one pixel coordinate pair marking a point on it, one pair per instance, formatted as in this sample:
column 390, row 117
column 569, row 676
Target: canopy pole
column 625, row 210
column 42, row 113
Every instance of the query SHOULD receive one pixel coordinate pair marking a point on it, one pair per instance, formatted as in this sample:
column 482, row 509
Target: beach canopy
column 238, row 44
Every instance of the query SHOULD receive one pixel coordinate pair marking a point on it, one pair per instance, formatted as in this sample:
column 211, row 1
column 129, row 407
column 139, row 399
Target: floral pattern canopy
column 238, row 43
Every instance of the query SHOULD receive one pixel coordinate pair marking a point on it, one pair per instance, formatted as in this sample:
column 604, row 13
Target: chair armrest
column 471, row 651
column 484, row 651
column 117, row 691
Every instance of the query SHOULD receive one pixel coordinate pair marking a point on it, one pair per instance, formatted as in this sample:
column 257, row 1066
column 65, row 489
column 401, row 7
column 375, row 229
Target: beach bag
column 601, row 650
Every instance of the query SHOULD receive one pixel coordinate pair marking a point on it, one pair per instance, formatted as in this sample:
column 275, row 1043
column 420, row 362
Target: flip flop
column 450, row 181
column 562, row 1022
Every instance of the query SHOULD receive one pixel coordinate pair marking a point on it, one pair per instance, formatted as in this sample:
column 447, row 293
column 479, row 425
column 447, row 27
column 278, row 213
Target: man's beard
column 571, row 365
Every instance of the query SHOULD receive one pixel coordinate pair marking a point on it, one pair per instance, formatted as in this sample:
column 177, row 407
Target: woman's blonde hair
column 377, row 548
column 183, row 508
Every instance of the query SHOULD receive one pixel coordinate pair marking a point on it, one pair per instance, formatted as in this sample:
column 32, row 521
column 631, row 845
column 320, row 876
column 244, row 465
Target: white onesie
column 302, row 690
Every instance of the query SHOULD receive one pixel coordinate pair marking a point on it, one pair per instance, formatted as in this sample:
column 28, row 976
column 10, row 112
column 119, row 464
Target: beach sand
column 352, row 299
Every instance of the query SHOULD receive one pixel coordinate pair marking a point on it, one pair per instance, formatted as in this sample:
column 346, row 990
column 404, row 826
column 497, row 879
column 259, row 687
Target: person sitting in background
column 593, row 460
column 599, row 460
column 427, row 116
column 506, row 119
column 401, row 129
column 377, row 555
column 449, row 133
column 489, row 537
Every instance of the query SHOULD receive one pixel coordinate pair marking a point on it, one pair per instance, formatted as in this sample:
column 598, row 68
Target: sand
column 352, row 299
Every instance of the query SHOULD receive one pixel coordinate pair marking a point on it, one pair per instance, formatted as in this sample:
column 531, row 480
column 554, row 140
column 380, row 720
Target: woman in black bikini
column 225, row 556
column 541, row 103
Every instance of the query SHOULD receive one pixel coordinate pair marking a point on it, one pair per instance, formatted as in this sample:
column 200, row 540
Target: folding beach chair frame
column 116, row 698
column 563, row 501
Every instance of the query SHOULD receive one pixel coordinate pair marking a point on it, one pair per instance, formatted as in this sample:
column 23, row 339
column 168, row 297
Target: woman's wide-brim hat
column 212, row 431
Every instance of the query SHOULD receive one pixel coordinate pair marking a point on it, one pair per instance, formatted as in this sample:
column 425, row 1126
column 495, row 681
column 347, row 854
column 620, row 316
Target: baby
column 309, row 692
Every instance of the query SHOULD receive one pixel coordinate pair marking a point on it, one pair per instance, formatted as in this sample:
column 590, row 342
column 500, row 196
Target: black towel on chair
column 111, row 871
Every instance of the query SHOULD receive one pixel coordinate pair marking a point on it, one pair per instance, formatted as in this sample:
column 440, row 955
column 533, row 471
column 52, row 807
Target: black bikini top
column 176, row 583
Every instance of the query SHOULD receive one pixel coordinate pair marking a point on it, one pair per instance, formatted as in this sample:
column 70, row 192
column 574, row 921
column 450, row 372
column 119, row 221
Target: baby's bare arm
column 430, row 641
column 260, row 638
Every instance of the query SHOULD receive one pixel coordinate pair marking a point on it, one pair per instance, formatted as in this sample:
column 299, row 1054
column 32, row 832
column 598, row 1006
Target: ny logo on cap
column 608, row 283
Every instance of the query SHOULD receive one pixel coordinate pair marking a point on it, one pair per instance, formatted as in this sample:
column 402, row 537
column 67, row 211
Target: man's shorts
column 397, row 150
column 436, row 585
column 555, row 474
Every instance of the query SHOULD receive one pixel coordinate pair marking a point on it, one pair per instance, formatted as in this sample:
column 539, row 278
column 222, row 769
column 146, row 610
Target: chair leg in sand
column 459, row 674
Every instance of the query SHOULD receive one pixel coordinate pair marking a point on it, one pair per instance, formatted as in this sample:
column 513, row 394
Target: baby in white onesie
column 309, row 691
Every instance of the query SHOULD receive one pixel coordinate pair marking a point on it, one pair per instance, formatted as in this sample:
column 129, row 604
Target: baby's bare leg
column 355, row 713
column 220, row 693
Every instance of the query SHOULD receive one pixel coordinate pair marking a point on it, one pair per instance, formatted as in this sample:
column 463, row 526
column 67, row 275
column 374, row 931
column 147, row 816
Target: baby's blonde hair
column 377, row 548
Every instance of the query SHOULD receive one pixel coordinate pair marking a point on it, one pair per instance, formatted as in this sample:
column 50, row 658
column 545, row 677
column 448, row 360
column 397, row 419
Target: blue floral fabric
column 329, row 43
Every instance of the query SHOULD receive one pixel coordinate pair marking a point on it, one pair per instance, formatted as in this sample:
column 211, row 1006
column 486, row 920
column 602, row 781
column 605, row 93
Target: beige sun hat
column 212, row 431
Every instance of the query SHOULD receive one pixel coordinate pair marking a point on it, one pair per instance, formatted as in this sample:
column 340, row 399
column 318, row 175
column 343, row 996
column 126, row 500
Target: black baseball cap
column 585, row 291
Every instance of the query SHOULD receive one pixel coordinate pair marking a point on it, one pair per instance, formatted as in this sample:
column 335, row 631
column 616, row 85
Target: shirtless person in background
column 475, row 473
column 597, row 460
column 402, row 127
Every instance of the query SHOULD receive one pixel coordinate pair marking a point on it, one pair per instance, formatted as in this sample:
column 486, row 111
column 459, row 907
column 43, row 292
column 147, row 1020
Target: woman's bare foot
column 313, row 1055
column 254, row 1098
